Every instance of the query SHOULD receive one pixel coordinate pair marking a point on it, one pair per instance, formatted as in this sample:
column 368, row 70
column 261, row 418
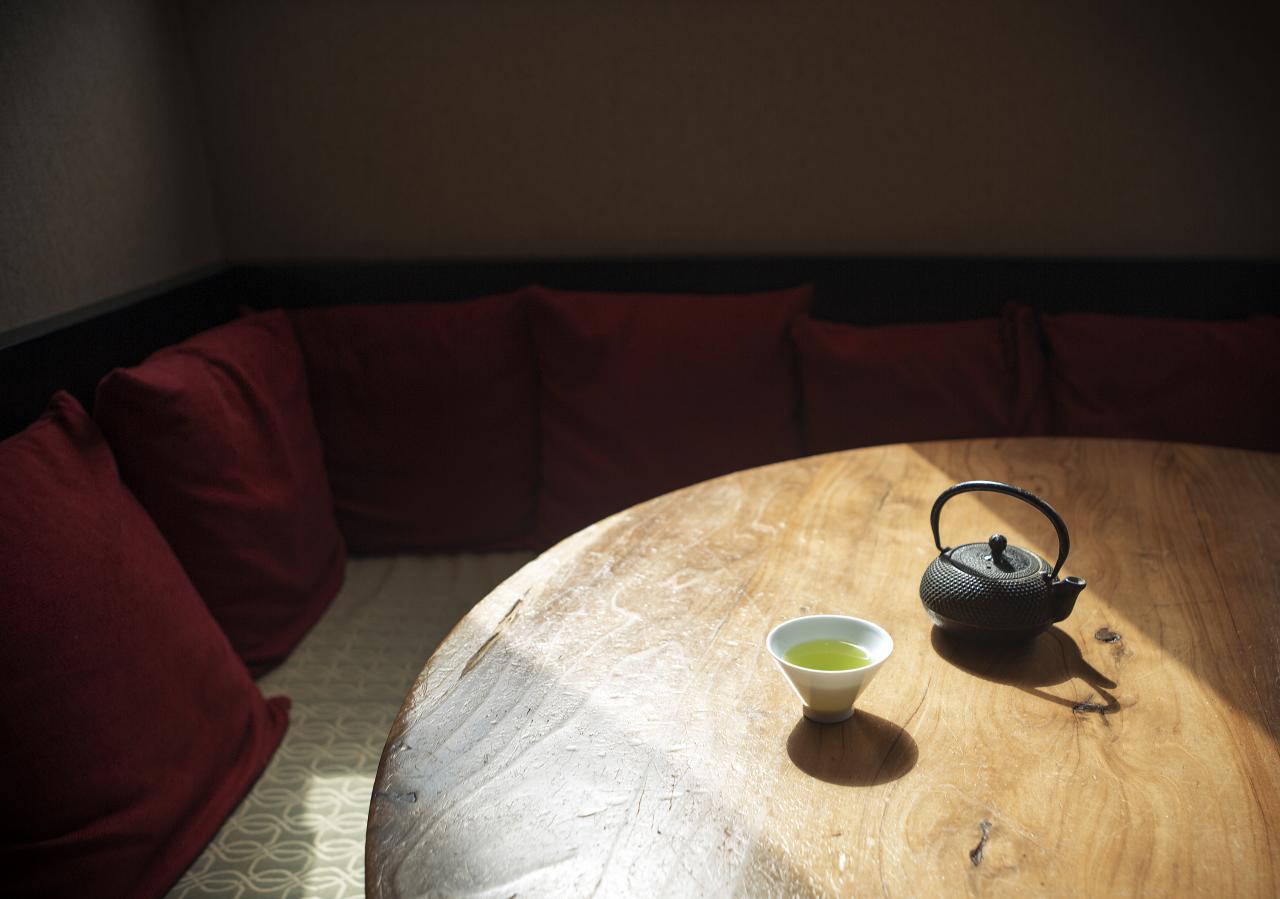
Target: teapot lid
column 1019, row 562
column 997, row 560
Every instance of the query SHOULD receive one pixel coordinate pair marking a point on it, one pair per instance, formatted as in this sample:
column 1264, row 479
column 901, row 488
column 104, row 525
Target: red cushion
column 864, row 386
column 1194, row 381
column 644, row 393
column 131, row 730
column 428, row 416
column 215, row 437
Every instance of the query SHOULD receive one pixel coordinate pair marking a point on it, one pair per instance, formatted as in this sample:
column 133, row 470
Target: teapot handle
column 1064, row 540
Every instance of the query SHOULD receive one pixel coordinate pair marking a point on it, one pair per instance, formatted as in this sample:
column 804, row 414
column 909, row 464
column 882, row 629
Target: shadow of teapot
column 1047, row 660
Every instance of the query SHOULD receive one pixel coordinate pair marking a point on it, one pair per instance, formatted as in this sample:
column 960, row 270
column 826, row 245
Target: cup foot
column 828, row 717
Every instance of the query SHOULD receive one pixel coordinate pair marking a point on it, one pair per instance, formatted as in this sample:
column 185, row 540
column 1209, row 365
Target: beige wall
column 476, row 127
column 103, row 184
column 417, row 129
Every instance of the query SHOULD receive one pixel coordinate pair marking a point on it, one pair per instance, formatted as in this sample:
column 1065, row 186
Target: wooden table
column 609, row 722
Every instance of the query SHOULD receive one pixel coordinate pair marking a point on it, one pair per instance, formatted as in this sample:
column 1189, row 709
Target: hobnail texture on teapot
column 992, row 590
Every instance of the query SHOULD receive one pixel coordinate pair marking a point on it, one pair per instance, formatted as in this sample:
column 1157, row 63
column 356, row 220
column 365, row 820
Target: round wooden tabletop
column 609, row 722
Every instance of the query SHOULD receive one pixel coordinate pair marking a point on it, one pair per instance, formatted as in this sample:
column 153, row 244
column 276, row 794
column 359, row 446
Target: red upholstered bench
column 1209, row 382
column 203, row 536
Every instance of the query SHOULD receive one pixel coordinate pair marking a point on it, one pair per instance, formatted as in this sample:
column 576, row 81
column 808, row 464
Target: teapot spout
column 1065, row 592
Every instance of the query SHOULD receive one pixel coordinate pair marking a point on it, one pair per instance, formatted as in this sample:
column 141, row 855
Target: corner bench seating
column 300, row 831
column 269, row 449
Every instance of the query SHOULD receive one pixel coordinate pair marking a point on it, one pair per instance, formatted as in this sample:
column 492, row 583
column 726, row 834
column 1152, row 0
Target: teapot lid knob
column 997, row 543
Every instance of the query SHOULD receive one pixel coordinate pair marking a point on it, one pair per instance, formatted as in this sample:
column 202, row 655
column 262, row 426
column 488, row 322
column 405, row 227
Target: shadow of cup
column 1048, row 660
column 860, row 752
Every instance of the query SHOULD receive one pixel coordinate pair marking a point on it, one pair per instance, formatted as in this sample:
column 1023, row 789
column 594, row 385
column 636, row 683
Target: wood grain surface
column 609, row 722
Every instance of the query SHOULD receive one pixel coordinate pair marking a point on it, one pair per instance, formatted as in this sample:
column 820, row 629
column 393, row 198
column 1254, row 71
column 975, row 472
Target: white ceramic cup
column 828, row 696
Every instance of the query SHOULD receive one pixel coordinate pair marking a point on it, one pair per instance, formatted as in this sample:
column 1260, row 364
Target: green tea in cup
column 827, row 655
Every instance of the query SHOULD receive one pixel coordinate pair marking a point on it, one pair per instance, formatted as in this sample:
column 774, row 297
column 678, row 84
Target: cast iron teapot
column 994, row 591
